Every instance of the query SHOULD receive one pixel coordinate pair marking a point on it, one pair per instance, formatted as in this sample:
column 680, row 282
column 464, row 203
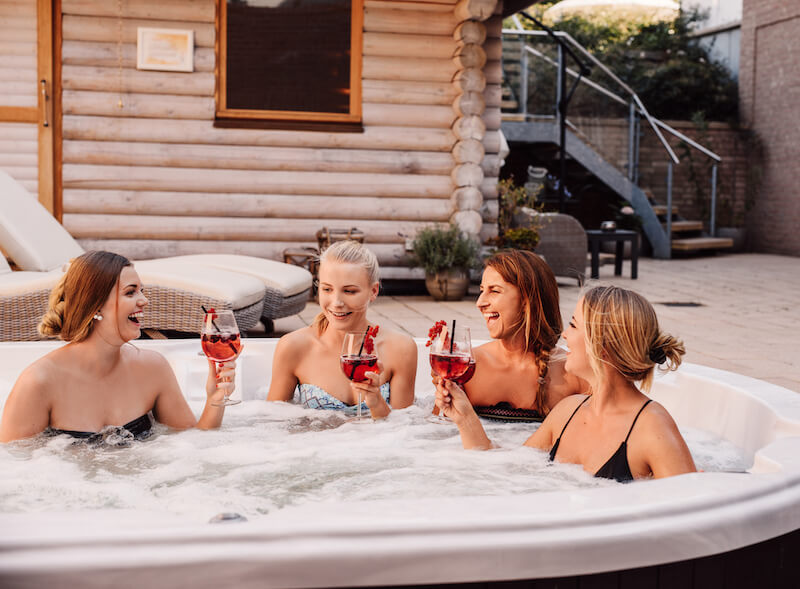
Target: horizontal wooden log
column 19, row 132
column 235, row 181
column 469, row 80
column 23, row 173
column 489, row 188
column 22, row 22
column 402, row 92
column 470, row 31
column 401, row 273
column 467, row 198
column 17, row 159
column 8, row 145
column 390, row 254
column 467, row 175
column 491, row 164
column 20, row 62
column 491, row 141
column 408, row 115
column 493, row 70
column 14, row 35
column 98, row 128
column 395, row 45
column 416, row 22
column 469, row 56
column 471, row 127
column 411, row 69
column 469, row 151
column 107, row 55
column 488, row 231
column 180, row 10
column 107, row 29
column 494, row 26
column 492, row 119
column 17, row 101
column 469, row 104
column 31, row 185
column 226, row 228
column 18, row 9
column 246, row 157
column 14, row 88
column 493, row 48
column 28, row 47
column 490, row 210
column 110, row 79
column 474, row 9
column 431, row 6
column 118, row 202
column 79, row 102
column 493, row 96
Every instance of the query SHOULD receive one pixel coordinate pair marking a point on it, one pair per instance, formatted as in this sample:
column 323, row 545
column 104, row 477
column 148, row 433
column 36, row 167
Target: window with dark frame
column 289, row 60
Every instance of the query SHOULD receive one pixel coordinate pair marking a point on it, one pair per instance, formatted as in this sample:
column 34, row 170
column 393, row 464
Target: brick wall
column 769, row 87
column 692, row 196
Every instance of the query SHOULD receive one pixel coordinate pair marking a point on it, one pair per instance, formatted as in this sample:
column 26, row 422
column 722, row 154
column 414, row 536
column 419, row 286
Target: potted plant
column 446, row 255
column 518, row 217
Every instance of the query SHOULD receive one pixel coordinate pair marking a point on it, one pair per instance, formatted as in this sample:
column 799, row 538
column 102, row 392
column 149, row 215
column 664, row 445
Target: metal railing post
column 631, row 138
column 713, row 223
column 669, row 206
column 523, row 78
column 560, row 72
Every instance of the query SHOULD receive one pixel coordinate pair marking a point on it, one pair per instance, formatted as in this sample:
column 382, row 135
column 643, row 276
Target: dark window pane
column 289, row 55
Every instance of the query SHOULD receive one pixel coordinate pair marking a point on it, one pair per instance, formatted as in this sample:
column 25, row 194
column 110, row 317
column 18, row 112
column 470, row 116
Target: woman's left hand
column 220, row 381
column 369, row 391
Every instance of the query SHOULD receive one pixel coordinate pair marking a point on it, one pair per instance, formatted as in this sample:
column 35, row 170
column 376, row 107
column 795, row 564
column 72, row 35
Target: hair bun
column 658, row 355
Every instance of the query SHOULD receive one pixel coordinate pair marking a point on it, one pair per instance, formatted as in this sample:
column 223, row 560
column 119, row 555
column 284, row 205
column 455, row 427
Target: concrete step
column 685, row 226
column 509, row 105
column 692, row 244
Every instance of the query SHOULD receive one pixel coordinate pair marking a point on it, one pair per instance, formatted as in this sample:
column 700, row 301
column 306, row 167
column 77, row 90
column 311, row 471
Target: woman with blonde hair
column 306, row 361
column 518, row 375
column 616, row 431
column 96, row 381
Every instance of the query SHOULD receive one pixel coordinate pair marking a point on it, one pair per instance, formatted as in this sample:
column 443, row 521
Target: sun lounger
column 252, row 287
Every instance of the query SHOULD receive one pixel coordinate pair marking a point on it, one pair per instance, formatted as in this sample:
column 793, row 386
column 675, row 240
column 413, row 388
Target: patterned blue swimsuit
column 313, row 397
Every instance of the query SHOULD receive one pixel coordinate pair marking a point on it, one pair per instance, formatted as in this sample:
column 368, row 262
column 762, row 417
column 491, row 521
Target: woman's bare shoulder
column 398, row 339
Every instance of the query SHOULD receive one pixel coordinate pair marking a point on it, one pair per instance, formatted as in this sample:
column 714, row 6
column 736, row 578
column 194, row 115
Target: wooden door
column 26, row 96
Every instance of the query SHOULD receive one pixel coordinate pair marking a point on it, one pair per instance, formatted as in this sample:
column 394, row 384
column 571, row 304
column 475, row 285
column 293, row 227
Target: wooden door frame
column 48, row 17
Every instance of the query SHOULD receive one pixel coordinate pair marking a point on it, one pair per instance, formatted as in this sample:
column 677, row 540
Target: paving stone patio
column 747, row 320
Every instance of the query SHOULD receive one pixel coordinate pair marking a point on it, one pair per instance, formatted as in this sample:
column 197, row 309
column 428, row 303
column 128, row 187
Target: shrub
column 436, row 249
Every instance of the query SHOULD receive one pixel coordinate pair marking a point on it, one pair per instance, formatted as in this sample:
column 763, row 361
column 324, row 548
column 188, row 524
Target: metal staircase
column 530, row 118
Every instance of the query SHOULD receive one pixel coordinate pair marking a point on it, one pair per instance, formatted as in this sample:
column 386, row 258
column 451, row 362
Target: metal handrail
column 636, row 104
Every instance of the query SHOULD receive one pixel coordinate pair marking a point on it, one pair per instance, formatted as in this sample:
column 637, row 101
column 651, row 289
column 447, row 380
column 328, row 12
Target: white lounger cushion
column 15, row 284
column 239, row 289
column 4, row 267
column 287, row 279
column 35, row 241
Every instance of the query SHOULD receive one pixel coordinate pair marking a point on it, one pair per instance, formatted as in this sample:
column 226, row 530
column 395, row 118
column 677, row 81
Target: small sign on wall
column 170, row 50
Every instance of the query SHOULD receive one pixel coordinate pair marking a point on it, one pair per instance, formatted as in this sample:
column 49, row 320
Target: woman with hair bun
column 306, row 361
column 519, row 375
column 616, row 431
column 95, row 383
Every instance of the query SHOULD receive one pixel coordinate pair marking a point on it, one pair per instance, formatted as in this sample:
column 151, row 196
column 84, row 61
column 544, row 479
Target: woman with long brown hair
column 95, row 380
column 517, row 375
column 616, row 431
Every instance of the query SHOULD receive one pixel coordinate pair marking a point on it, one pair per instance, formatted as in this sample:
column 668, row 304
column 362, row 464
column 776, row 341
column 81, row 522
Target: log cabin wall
column 146, row 174
column 19, row 152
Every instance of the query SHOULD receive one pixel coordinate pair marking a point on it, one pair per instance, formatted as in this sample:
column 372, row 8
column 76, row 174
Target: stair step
column 701, row 243
column 662, row 209
column 509, row 105
column 684, row 226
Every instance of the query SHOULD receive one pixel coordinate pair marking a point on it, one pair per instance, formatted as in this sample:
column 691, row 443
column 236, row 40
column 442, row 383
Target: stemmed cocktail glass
column 221, row 342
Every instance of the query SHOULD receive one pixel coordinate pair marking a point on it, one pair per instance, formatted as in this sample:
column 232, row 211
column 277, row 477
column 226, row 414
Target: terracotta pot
column 448, row 285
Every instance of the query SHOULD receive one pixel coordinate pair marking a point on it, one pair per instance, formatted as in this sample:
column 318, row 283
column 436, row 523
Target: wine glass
column 358, row 357
column 451, row 358
column 221, row 342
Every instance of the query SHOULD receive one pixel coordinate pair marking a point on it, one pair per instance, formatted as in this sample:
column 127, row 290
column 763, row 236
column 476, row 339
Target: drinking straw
column 452, row 335
column 214, row 323
column 361, row 349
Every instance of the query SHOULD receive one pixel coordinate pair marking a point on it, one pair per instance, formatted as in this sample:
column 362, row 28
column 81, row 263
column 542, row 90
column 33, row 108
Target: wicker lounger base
column 276, row 306
column 21, row 315
column 181, row 310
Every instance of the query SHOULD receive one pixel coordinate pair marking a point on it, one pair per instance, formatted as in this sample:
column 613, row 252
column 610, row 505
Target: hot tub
column 426, row 539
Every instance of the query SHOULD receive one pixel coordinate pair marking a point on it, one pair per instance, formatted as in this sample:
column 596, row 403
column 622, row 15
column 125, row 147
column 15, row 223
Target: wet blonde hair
column 348, row 252
column 80, row 293
column 539, row 321
column 622, row 331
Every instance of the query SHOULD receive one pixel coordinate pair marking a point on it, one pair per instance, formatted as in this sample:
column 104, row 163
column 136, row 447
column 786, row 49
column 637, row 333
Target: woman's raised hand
column 453, row 401
column 220, row 381
column 370, row 392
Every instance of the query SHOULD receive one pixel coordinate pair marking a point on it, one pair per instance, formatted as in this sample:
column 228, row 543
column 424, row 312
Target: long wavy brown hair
column 539, row 322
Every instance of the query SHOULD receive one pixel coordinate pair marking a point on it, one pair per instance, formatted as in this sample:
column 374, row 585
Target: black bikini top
column 139, row 428
column 617, row 466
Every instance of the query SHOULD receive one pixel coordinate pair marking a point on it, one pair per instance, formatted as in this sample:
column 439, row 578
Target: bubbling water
column 271, row 455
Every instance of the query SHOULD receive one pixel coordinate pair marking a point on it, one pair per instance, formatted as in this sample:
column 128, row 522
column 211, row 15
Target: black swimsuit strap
column 635, row 419
column 554, row 449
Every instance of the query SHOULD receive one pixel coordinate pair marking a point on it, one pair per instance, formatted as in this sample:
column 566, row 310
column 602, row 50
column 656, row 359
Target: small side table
column 620, row 236
column 305, row 257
